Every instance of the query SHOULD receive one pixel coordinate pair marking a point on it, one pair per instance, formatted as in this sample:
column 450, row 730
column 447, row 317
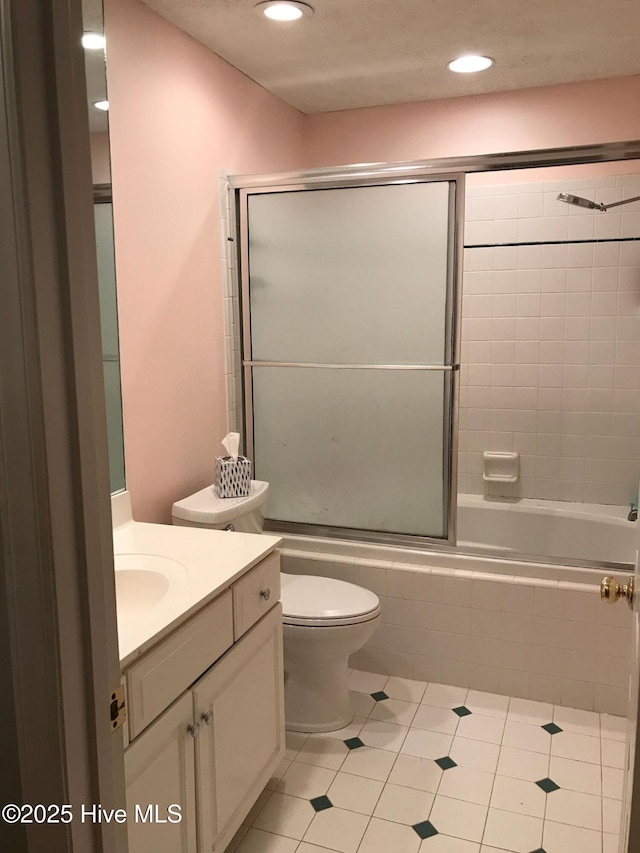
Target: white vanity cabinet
column 207, row 735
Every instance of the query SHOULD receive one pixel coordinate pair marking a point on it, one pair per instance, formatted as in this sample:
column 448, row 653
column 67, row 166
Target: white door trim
column 58, row 639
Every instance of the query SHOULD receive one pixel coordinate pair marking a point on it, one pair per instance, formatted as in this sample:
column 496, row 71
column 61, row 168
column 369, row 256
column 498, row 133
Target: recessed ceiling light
column 284, row 10
column 469, row 64
column 101, row 105
column 93, row 41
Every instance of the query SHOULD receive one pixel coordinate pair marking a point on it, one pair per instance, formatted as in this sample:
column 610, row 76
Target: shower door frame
column 357, row 178
column 438, row 169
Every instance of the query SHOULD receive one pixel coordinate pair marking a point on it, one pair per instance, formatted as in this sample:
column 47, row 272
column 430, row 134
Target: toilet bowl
column 324, row 620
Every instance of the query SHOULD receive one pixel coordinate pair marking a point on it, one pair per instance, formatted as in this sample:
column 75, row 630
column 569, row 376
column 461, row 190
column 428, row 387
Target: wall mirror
column 94, row 51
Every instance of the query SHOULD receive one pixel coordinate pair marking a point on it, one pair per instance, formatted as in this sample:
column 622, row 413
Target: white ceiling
column 356, row 53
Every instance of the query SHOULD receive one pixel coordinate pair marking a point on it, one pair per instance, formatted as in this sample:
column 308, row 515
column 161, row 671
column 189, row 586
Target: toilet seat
column 319, row 602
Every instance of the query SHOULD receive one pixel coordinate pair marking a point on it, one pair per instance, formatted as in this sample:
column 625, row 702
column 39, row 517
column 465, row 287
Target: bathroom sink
column 143, row 581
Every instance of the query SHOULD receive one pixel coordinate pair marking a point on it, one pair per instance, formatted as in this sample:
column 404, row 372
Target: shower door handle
column 611, row 590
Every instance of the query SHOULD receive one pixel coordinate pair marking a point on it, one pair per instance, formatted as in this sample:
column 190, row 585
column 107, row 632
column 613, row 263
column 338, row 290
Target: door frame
column 58, row 635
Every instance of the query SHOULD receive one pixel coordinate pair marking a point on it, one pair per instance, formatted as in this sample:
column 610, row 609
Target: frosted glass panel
column 106, row 278
column 352, row 275
column 360, row 449
column 111, row 371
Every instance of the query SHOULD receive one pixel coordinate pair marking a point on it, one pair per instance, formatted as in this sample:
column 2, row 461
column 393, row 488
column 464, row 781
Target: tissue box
column 233, row 477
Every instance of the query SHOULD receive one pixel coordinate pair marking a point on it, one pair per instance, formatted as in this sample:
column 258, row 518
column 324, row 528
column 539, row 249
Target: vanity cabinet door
column 160, row 772
column 239, row 704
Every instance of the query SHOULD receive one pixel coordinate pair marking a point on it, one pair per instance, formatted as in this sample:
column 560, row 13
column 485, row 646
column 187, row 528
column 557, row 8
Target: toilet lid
column 306, row 598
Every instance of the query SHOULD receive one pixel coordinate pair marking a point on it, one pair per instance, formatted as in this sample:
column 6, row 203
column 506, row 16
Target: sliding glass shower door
column 348, row 341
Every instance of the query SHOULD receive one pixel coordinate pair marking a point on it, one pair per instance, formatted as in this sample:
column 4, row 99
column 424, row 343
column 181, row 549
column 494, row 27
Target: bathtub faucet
column 633, row 513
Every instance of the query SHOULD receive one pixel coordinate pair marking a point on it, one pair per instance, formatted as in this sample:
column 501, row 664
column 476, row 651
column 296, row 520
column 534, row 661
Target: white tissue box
column 233, row 477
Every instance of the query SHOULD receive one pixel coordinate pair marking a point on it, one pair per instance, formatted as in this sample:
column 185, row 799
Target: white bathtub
column 553, row 529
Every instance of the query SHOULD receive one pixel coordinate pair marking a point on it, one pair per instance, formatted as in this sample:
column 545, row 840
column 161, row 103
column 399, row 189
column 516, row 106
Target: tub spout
column 633, row 513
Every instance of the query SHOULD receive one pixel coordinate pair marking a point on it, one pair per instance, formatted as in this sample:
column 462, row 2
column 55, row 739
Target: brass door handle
column 611, row 590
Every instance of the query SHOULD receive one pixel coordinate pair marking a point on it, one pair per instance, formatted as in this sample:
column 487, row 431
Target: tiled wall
column 551, row 341
column 527, row 637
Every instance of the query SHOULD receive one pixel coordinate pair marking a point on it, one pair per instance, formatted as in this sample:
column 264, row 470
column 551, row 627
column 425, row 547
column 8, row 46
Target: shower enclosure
column 350, row 354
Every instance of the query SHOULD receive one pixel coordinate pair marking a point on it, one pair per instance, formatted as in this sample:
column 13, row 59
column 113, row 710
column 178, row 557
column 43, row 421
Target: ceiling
column 358, row 53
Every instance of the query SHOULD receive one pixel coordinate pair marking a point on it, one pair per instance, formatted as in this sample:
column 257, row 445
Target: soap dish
column 500, row 467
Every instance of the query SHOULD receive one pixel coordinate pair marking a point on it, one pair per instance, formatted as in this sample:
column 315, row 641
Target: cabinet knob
column 265, row 593
column 207, row 717
column 193, row 729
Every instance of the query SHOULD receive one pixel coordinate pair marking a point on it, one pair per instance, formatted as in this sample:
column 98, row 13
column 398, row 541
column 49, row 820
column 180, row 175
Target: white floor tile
column 257, row 807
column 362, row 703
column 256, row 841
column 405, row 688
column 459, row 819
column 613, row 728
column 464, row 783
column 563, row 837
column 576, row 747
column 475, row 754
column 575, row 775
column 383, row 836
column 382, row 735
column 519, row 796
column 526, row 736
column 515, row 832
column 444, row 696
column 404, row 805
column 532, row 713
column 355, row 793
column 447, row 844
column 337, row 829
column 368, row 762
column 293, row 742
column 285, row 815
column 306, row 780
column 611, row 814
column 323, row 751
column 412, row 771
column 476, row 727
column 573, row 720
column 312, row 848
column 352, row 730
column 613, row 752
column 278, row 773
column 394, row 711
column 612, row 782
column 487, row 704
column 523, row 764
column 436, row 719
column 572, row 807
column 426, row 744
column 610, row 843
column 366, row 682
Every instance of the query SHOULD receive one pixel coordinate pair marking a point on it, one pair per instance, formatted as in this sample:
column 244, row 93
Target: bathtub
column 559, row 530
column 486, row 617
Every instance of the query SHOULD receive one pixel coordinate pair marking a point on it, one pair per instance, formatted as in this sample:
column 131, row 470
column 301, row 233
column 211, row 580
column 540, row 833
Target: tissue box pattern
column 233, row 477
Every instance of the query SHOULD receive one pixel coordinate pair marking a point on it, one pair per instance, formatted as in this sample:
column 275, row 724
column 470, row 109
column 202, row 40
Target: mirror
column 93, row 42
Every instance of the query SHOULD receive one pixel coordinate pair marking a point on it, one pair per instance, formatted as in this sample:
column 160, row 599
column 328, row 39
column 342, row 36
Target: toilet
column 324, row 620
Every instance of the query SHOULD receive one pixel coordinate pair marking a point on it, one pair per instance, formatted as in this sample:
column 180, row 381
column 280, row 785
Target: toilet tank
column 206, row 509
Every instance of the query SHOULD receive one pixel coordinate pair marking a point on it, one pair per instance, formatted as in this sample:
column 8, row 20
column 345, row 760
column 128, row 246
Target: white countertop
column 210, row 561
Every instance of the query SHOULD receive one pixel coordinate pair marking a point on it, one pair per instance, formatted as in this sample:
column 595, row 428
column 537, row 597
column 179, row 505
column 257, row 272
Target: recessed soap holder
column 500, row 467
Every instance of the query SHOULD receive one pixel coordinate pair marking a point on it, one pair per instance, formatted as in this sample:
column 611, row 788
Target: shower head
column 580, row 202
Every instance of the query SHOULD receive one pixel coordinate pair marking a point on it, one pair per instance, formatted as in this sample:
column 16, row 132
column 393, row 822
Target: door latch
column 118, row 708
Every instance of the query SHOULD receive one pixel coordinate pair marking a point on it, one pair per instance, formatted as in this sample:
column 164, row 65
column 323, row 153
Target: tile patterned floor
column 427, row 768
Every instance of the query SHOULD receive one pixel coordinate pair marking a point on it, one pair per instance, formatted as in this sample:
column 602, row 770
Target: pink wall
column 177, row 114
column 553, row 116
